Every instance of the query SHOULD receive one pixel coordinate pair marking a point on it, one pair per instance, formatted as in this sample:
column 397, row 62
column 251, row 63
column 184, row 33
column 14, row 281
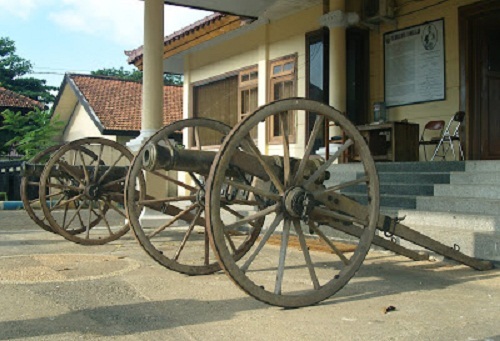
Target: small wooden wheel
column 167, row 215
column 30, row 186
column 81, row 190
column 285, row 267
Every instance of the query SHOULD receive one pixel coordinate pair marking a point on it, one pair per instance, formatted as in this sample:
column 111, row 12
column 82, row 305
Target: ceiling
column 265, row 9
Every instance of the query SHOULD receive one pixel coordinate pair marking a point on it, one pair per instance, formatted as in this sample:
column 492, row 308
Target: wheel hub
column 200, row 197
column 92, row 191
column 298, row 202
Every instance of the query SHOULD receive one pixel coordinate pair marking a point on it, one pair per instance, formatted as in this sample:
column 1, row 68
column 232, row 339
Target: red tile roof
column 117, row 103
column 14, row 100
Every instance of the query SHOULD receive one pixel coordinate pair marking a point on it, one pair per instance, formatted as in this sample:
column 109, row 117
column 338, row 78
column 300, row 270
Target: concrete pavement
column 52, row 289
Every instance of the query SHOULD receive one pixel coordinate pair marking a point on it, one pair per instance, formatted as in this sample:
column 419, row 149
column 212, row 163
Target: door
column 357, row 75
column 490, row 87
column 480, row 78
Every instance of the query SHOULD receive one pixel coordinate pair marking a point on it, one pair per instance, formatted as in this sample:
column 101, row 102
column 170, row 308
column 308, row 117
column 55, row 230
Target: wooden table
column 390, row 141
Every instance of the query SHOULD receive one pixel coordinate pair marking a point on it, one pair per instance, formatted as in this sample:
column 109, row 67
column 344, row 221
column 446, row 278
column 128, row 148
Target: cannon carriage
column 257, row 213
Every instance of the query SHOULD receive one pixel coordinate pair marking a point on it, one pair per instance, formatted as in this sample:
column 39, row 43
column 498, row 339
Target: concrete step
column 448, row 166
column 470, row 191
column 482, row 166
column 479, row 244
column 470, row 222
column 388, row 200
column 414, row 177
column 396, row 189
column 478, row 178
column 459, row 205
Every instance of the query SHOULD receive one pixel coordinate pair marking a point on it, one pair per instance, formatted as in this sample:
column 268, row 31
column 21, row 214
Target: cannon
column 201, row 197
column 80, row 190
column 260, row 213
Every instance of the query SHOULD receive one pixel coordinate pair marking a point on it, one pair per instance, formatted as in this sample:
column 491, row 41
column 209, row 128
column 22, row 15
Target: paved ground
column 52, row 289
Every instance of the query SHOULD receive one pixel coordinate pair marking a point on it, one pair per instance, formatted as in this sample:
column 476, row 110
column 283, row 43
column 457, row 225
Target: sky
column 59, row 36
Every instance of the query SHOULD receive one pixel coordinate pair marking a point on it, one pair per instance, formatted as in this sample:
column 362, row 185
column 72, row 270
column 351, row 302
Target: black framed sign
column 414, row 64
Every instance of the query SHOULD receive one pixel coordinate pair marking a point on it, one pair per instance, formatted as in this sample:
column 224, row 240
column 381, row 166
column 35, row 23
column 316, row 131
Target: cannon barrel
column 156, row 157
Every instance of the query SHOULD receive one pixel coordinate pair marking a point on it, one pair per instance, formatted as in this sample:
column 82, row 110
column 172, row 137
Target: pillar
column 152, row 88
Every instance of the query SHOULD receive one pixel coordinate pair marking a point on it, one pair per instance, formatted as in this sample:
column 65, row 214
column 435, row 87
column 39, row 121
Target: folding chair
column 431, row 136
column 449, row 137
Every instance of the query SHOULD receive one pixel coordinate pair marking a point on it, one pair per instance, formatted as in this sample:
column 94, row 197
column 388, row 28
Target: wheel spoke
column 253, row 189
column 70, row 171
column 87, row 230
column 281, row 264
column 327, row 240
column 268, row 169
column 327, row 164
column 96, row 169
column 307, row 256
column 77, row 213
column 286, row 147
column 341, row 186
column 84, row 166
column 187, row 234
column 269, row 232
column 109, row 169
column 236, row 214
column 248, row 219
column 65, row 202
column 114, row 182
column 174, row 181
column 310, row 145
column 59, row 186
column 103, row 217
column 174, row 219
column 116, row 209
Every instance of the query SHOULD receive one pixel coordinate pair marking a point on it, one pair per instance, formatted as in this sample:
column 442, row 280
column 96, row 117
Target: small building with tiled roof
column 16, row 102
column 107, row 107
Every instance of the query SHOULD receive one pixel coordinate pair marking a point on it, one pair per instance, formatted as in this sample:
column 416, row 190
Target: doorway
column 480, row 78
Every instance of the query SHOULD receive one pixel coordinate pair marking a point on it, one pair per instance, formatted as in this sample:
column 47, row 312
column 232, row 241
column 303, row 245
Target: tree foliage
column 13, row 71
column 136, row 75
column 30, row 132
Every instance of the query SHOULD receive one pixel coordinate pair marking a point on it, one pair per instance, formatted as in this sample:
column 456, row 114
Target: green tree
column 13, row 71
column 136, row 75
column 32, row 132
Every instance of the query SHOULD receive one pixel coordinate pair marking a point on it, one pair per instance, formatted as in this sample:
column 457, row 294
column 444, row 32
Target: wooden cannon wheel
column 31, row 183
column 295, row 199
column 81, row 190
column 167, row 213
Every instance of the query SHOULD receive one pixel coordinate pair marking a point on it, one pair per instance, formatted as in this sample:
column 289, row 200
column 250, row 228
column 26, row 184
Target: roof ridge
column 115, row 78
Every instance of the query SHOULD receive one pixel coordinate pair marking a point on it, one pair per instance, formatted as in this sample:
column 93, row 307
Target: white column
column 152, row 89
column 263, row 67
column 152, row 97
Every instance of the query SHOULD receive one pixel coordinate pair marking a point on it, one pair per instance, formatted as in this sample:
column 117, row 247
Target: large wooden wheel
column 167, row 213
column 296, row 200
column 30, row 184
column 81, row 190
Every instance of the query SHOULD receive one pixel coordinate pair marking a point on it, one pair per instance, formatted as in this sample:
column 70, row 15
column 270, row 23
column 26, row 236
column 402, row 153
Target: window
column 283, row 85
column 217, row 100
column 248, row 94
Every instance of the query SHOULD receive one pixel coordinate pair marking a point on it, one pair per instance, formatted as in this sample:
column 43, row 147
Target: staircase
column 456, row 203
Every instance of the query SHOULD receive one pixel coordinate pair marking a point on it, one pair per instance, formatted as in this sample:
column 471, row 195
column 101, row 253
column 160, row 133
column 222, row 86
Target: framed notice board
column 414, row 64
